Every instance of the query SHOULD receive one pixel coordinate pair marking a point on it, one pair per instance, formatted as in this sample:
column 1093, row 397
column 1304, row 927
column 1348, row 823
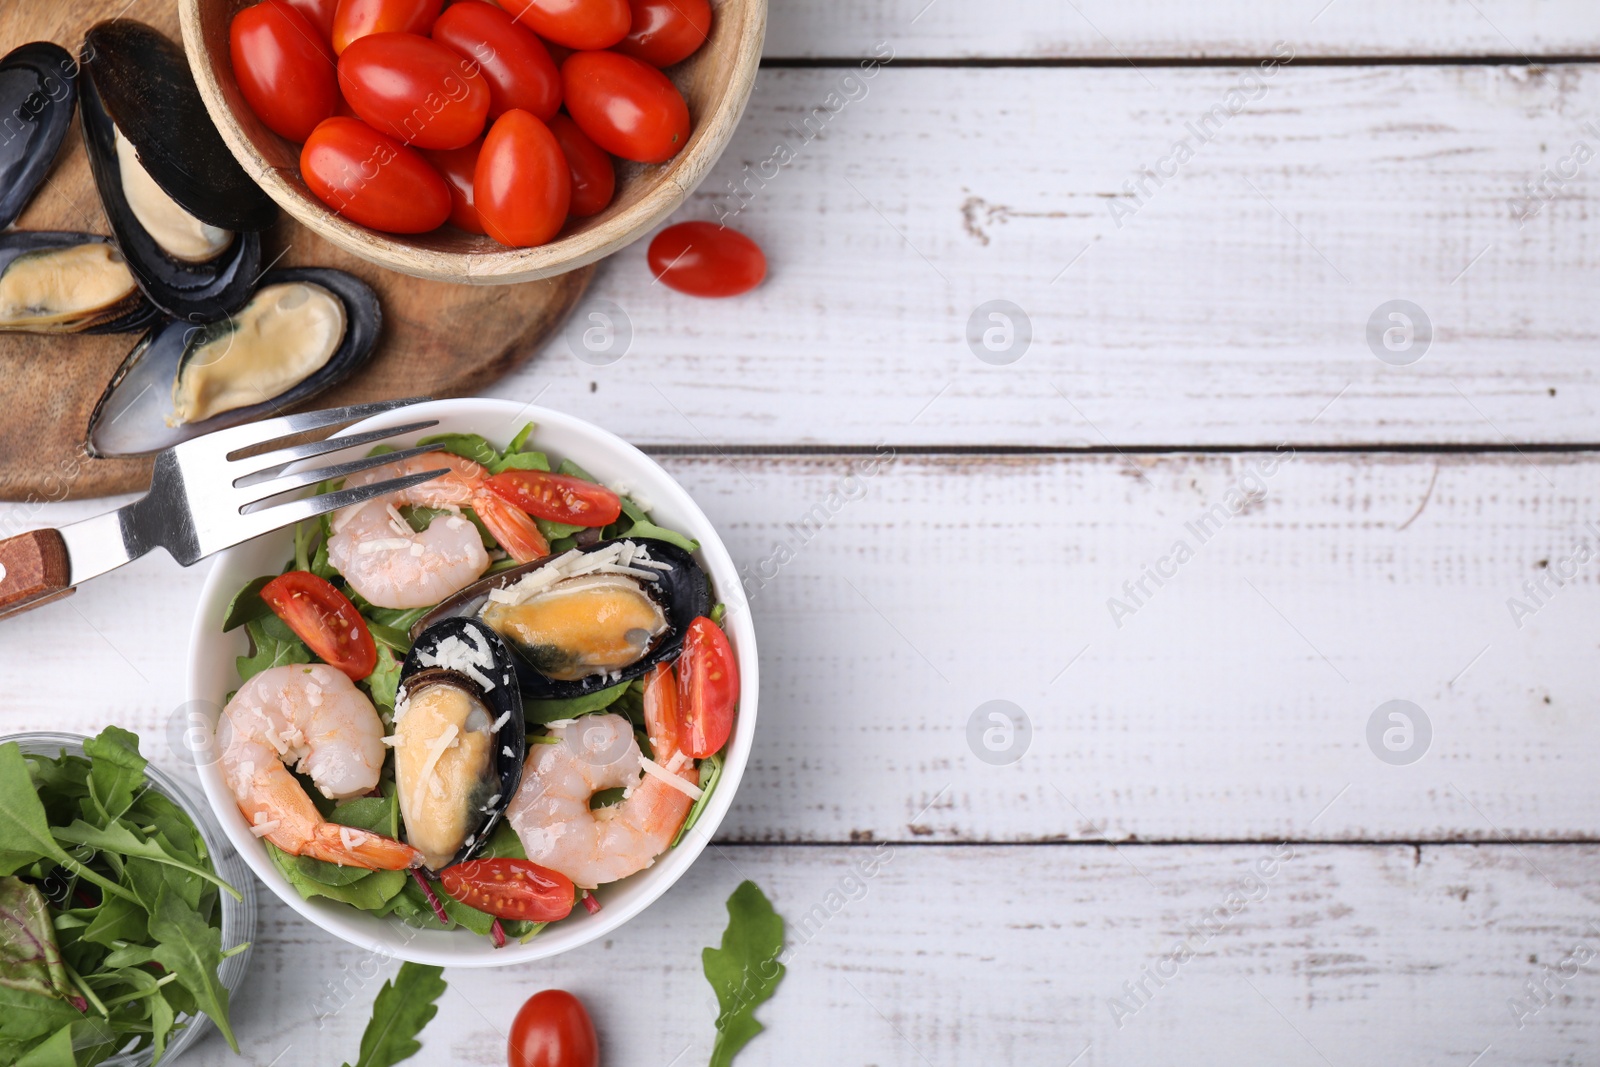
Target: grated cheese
column 651, row 767
column 624, row 557
column 383, row 544
column 397, row 521
column 435, row 752
column 501, row 721
column 262, row 829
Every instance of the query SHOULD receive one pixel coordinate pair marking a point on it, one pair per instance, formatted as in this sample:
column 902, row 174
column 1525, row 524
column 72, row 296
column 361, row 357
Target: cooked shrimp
column 551, row 810
column 311, row 716
column 393, row 566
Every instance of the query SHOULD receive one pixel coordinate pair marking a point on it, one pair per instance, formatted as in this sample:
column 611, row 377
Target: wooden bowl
column 716, row 82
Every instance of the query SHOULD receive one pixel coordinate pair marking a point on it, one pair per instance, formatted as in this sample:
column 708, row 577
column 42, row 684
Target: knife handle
column 33, row 571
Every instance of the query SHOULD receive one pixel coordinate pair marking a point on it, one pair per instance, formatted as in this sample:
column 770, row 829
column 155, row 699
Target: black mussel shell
column 511, row 742
column 129, row 67
column 684, row 593
column 124, row 316
column 143, row 82
column 130, row 419
column 38, row 92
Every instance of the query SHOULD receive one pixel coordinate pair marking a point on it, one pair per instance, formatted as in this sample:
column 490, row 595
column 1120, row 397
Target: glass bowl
column 238, row 916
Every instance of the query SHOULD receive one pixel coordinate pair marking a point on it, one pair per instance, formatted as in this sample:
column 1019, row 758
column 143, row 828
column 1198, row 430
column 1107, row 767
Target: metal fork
column 206, row 495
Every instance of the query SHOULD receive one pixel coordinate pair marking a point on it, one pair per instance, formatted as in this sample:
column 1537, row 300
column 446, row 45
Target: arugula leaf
column 53, row 1051
column 28, row 1016
column 519, row 443
column 384, row 681
column 116, row 920
column 25, row 836
column 116, row 770
column 270, row 650
column 710, row 772
column 247, row 604
column 522, row 461
column 398, row 618
column 543, row 711
column 745, row 971
column 117, row 837
column 572, row 470
column 466, row 445
column 29, row 957
column 369, row 892
column 555, row 531
column 651, row 532
column 192, row 947
column 402, row 1008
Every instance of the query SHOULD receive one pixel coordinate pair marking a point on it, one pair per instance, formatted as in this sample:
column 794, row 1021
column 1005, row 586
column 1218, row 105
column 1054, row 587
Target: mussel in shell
column 38, row 92
column 67, row 283
column 589, row 618
column 304, row 331
column 459, row 740
column 186, row 215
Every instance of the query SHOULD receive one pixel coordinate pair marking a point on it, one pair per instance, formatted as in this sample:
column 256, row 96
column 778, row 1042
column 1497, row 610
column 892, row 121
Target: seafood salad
column 475, row 702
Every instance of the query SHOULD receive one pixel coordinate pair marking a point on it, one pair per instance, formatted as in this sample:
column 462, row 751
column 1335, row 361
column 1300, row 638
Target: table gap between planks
column 923, row 532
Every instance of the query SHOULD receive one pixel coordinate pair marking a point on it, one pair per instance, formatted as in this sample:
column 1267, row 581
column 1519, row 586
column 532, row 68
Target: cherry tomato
column 574, row 23
column 355, row 19
column 511, row 59
column 510, row 889
column 325, row 620
column 319, row 13
column 627, row 107
column 665, row 32
column 708, row 689
column 594, row 179
column 553, row 1030
column 457, row 166
column 557, row 497
column 373, row 179
column 415, row 90
column 522, row 185
column 704, row 259
column 284, row 69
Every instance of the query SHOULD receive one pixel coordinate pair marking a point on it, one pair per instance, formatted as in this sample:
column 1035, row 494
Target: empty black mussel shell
column 132, row 417
column 38, row 92
column 54, row 282
column 138, row 81
column 682, row 591
column 468, row 658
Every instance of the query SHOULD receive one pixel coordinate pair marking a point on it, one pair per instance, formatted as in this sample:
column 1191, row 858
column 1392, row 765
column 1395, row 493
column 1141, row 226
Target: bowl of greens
column 126, row 917
column 487, row 719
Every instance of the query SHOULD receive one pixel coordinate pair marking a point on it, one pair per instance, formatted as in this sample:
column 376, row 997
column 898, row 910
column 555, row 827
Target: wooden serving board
column 438, row 339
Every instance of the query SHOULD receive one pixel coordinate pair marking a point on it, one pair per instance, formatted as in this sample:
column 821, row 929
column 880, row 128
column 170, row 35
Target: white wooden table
column 1199, row 766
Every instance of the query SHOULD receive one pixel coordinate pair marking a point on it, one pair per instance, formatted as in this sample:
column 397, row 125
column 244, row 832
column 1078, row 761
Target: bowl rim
column 390, row 937
column 670, row 186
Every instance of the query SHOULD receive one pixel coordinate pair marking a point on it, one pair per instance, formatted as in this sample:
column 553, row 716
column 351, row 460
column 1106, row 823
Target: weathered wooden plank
column 895, row 599
column 1301, row 955
column 1229, row 305
column 1167, row 29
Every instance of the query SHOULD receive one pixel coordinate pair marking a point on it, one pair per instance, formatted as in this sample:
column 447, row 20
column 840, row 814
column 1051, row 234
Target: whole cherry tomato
column 708, row 689
column 511, row 59
column 594, row 178
column 627, row 107
column 319, row 13
column 557, row 497
column 283, row 67
column 704, row 259
column 522, row 185
column 355, row 19
column 372, row 179
column 553, row 1030
column 415, row 90
column 325, row 620
column 457, row 167
column 510, row 889
column 665, row 32
column 574, row 23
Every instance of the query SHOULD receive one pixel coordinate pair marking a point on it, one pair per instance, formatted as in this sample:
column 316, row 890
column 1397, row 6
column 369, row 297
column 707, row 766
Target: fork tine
column 280, row 515
column 257, row 434
column 268, row 489
column 311, row 449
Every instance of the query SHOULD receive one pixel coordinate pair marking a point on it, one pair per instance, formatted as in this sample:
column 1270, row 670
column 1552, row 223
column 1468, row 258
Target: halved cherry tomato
column 704, row 259
column 708, row 689
column 457, row 166
column 594, row 178
column 354, row 19
column 557, row 497
column 415, row 90
column 574, row 23
column 372, row 179
column 665, row 32
column 553, row 1030
column 627, row 107
column 522, row 185
column 319, row 13
column 510, row 889
column 284, row 68
column 512, row 60
column 325, row 620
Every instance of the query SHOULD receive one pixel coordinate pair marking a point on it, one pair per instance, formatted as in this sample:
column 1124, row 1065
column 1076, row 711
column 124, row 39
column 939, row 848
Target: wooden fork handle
column 34, row 571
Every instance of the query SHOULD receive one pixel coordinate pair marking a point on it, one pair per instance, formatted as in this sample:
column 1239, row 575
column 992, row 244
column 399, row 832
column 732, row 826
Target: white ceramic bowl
column 212, row 677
